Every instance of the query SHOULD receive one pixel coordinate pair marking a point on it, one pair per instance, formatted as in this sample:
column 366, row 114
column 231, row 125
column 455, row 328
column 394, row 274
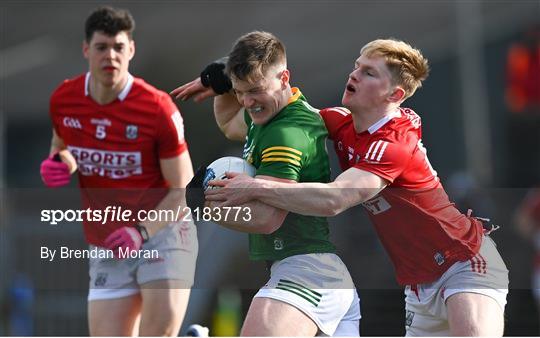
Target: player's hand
column 212, row 81
column 193, row 89
column 215, row 77
column 54, row 172
column 195, row 189
column 234, row 191
column 126, row 238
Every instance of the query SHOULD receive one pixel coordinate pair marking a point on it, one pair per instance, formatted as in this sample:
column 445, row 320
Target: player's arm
column 213, row 82
column 53, row 170
column 177, row 171
column 229, row 116
column 352, row 187
column 57, row 143
column 263, row 218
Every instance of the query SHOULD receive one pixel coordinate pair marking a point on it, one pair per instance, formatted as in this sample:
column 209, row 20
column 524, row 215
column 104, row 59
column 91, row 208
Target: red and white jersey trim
column 375, row 154
column 341, row 110
column 379, row 124
column 121, row 96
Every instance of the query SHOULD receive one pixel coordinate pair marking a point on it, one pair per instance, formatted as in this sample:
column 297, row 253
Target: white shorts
column 484, row 274
column 320, row 286
column 177, row 249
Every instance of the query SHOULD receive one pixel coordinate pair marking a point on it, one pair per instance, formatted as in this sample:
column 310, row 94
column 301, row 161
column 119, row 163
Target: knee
column 165, row 322
column 477, row 328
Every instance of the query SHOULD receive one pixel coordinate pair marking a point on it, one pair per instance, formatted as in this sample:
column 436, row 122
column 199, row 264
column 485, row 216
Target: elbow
column 233, row 136
column 272, row 222
column 230, row 133
column 333, row 207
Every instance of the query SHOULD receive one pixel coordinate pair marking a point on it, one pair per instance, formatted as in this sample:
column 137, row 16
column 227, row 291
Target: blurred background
column 481, row 125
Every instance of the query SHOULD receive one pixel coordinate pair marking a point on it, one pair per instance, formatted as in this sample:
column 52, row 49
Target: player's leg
column 271, row 317
column 165, row 281
column 349, row 326
column 164, row 304
column 114, row 302
column 301, row 301
column 475, row 293
column 473, row 314
column 114, row 317
column 424, row 311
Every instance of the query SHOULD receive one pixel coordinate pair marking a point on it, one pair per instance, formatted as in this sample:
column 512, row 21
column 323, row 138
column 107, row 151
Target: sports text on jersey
column 107, row 163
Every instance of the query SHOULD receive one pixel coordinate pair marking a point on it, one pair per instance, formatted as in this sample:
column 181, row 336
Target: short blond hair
column 406, row 64
column 253, row 54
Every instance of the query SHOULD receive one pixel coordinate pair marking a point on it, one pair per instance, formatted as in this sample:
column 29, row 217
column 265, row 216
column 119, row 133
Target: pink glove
column 127, row 238
column 54, row 173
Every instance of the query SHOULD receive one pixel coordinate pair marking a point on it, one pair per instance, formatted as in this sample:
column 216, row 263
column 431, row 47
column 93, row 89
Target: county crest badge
column 132, row 131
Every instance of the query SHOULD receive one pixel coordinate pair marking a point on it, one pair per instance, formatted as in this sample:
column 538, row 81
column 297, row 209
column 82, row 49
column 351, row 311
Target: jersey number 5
column 100, row 132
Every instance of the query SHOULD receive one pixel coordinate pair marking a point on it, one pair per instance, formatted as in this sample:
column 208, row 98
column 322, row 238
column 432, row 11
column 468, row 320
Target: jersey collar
column 121, row 96
column 296, row 95
column 378, row 125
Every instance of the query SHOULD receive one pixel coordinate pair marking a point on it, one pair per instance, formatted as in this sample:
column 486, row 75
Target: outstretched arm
column 352, row 187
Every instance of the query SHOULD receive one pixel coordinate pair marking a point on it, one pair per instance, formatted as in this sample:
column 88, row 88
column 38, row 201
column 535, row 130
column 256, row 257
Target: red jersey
column 422, row 231
column 118, row 146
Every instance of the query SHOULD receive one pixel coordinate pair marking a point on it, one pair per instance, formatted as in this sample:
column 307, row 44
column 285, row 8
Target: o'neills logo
column 107, row 163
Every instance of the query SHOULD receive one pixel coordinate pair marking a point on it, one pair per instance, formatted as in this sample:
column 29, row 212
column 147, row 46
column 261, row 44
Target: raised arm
column 213, row 82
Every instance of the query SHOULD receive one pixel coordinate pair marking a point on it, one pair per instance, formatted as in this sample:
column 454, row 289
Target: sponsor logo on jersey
column 278, row 244
column 439, row 258
column 72, row 122
column 107, row 163
column 377, row 205
column 132, row 131
column 101, row 122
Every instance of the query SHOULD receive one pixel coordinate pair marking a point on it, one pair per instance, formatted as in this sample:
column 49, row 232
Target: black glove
column 214, row 76
column 196, row 187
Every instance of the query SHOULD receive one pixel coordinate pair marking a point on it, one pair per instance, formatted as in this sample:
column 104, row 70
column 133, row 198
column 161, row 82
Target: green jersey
column 292, row 146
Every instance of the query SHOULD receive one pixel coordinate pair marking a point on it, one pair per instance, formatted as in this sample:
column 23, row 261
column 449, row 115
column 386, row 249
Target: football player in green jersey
column 310, row 290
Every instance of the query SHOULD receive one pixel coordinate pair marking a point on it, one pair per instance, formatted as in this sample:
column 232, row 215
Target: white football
column 217, row 169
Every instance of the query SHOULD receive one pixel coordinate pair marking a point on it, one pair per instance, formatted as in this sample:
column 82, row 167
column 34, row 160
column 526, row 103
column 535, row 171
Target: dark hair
column 253, row 54
column 110, row 21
